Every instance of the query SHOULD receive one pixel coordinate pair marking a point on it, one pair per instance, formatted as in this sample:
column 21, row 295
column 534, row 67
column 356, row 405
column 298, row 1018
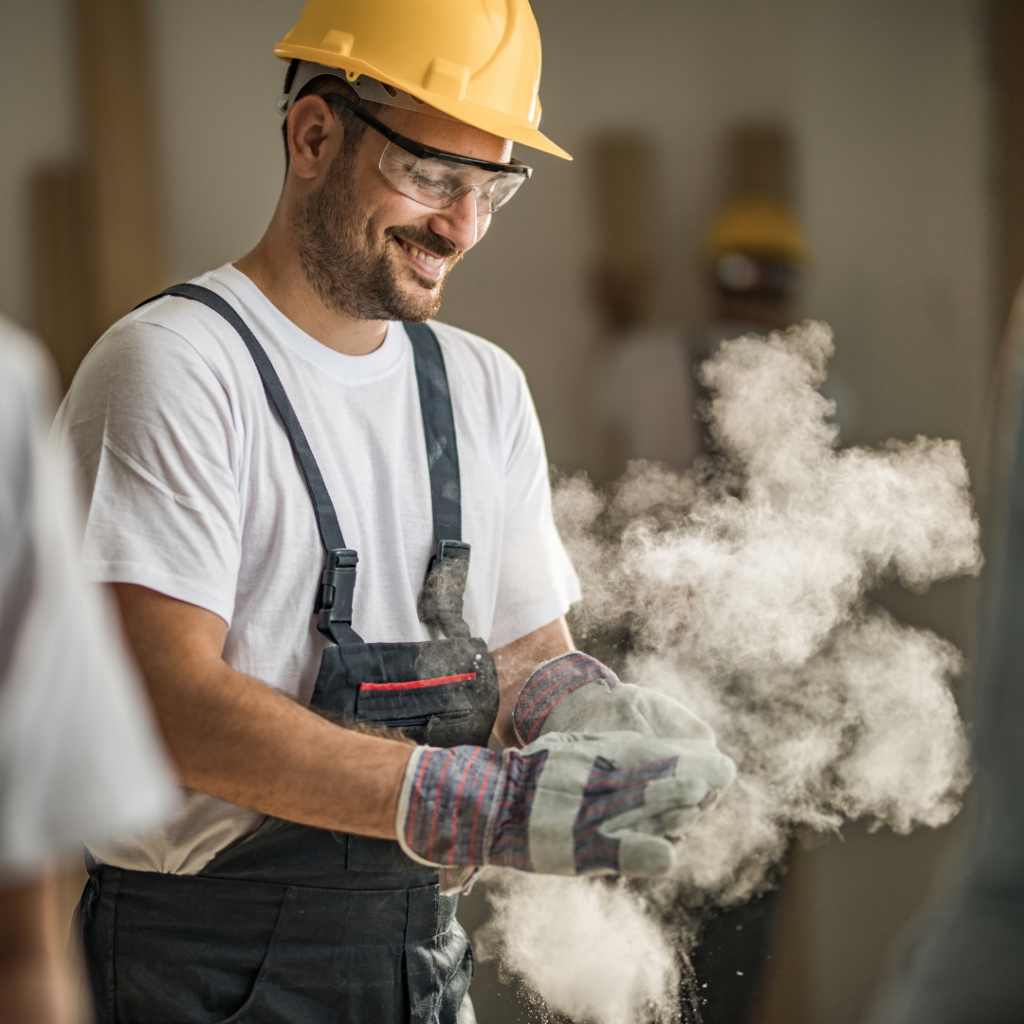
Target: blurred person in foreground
column 255, row 440
column 964, row 962
column 80, row 759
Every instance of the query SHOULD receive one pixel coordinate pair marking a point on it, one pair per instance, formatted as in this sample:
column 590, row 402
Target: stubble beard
column 354, row 272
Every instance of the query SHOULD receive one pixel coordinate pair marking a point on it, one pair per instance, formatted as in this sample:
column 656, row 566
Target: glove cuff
column 448, row 803
column 551, row 683
column 405, row 797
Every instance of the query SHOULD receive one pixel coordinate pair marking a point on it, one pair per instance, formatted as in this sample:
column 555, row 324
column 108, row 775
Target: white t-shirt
column 80, row 756
column 195, row 493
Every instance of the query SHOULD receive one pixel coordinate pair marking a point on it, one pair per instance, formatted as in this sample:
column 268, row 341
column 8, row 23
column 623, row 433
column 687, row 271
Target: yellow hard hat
column 475, row 60
column 757, row 226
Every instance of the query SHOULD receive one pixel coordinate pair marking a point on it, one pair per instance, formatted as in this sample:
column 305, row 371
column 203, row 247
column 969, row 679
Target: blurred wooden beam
column 121, row 156
column 627, row 217
column 61, row 284
column 761, row 162
column 98, row 228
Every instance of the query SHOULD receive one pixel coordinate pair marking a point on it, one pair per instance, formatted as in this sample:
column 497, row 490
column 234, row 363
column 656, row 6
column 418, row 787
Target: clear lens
column 438, row 183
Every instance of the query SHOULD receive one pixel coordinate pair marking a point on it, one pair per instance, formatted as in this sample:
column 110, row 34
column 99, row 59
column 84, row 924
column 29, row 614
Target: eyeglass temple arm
column 419, row 150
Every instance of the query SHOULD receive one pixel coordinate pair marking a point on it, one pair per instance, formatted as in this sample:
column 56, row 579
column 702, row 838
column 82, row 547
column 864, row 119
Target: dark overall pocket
column 164, row 949
column 443, row 692
column 213, row 951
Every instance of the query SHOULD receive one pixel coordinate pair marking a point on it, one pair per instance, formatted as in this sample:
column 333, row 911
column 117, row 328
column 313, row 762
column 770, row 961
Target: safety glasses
column 438, row 179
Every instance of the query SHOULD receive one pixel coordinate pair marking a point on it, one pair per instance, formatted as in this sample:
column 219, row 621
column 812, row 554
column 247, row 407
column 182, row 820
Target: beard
column 351, row 267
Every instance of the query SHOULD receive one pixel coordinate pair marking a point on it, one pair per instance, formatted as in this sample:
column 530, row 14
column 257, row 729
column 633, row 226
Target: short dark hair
column 354, row 128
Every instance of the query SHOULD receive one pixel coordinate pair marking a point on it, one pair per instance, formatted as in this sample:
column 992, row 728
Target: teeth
column 431, row 261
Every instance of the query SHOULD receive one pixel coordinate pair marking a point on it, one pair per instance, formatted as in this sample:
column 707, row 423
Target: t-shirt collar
column 336, row 364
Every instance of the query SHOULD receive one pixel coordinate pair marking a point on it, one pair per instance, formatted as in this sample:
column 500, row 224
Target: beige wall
column 893, row 117
column 218, row 79
column 888, row 103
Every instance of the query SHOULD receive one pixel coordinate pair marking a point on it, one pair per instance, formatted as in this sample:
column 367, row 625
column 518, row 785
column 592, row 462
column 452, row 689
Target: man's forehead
column 448, row 135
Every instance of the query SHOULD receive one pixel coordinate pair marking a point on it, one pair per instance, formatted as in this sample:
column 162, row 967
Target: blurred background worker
column 80, row 759
column 754, row 250
column 751, row 259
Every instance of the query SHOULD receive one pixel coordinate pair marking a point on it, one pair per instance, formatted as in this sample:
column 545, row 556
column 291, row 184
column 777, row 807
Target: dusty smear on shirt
column 744, row 586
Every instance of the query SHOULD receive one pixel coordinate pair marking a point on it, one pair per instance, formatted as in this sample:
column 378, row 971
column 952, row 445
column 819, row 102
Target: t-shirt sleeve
column 537, row 582
column 159, row 465
column 80, row 756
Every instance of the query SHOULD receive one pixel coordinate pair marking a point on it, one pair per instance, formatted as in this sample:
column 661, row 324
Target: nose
column 459, row 223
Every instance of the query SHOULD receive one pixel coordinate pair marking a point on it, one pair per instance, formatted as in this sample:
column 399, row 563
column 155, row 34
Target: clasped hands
column 608, row 772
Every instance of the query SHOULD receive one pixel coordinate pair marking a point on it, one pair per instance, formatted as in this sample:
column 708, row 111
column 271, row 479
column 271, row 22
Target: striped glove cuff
column 465, row 806
column 553, row 682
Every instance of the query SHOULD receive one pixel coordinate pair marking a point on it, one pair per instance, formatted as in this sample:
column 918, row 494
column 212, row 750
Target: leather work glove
column 576, row 693
column 565, row 805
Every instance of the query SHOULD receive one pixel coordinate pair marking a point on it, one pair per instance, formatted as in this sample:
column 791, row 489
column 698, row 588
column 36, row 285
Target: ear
column 314, row 136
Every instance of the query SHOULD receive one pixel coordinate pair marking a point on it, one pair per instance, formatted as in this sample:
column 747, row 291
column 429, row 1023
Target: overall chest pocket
column 442, row 692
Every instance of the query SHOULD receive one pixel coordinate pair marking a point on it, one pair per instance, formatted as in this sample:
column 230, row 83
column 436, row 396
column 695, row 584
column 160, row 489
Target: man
column 229, row 435
column 78, row 750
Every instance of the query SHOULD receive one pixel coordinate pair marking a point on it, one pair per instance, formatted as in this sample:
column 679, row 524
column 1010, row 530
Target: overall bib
column 301, row 925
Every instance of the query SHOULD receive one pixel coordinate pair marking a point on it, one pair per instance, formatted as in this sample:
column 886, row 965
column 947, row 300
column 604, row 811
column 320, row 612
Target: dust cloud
column 741, row 588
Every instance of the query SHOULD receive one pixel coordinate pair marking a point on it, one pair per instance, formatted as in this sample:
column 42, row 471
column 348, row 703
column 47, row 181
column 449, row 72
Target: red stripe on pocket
column 418, row 684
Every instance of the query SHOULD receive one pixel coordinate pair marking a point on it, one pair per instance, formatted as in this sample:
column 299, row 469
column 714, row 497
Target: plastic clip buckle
column 448, row 549
column 337, row 589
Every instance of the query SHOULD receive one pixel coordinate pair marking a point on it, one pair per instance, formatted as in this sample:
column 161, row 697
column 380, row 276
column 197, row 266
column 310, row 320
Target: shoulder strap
column 439, row 431
column 338, row 579
column 440, row 604
column 326, row 516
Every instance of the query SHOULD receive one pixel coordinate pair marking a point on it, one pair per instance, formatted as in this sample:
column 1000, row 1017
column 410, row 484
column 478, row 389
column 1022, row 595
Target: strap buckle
column 448, row 549
column 440, row 604
column 334, row 599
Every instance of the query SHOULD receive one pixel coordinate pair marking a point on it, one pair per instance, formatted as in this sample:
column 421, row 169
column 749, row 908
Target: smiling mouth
column 426, row 258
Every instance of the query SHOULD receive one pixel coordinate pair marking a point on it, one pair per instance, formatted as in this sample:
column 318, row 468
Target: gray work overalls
column 301, row 925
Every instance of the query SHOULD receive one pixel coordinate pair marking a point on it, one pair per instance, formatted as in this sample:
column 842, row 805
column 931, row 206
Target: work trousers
column 174, row 949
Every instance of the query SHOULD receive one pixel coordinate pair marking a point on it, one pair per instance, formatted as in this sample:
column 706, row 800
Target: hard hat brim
column 473, row 114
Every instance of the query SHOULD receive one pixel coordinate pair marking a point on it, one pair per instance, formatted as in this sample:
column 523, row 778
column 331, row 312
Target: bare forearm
column 237, row 739
column 516, row 662
column 243, row 742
